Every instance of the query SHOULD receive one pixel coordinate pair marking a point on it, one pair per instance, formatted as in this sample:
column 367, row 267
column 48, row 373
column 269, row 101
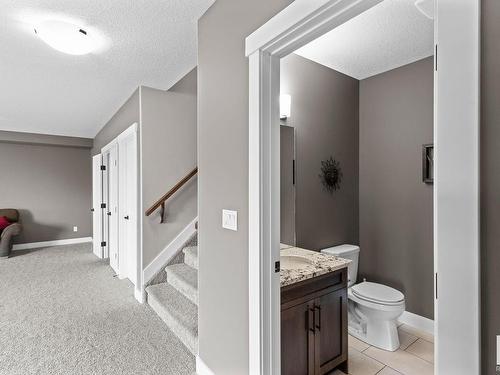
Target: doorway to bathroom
column 455, row 213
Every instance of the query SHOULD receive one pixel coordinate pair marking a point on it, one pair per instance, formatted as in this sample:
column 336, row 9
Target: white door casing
column 96, row 205
column 456, row 187
column 456, row 175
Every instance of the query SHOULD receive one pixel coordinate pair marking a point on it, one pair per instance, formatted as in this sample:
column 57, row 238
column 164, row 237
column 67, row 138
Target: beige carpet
column 63, row 312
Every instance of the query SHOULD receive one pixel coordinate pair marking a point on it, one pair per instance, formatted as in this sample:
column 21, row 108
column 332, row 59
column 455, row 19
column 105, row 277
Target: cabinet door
column 297, row 340
column 331, row 330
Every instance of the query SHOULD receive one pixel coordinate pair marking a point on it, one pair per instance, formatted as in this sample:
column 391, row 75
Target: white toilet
column 373, row 308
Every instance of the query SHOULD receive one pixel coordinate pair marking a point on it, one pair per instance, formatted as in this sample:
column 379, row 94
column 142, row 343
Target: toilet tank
column 350, row 252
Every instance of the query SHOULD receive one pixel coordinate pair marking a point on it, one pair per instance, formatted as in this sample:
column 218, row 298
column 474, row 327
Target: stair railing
column 160, row 203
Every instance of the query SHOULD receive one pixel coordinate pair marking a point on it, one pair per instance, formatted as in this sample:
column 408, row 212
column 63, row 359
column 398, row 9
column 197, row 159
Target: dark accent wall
column 50, row 184
column 396, row 218
column 223, row 179
column 325, row 115
column 490, row 183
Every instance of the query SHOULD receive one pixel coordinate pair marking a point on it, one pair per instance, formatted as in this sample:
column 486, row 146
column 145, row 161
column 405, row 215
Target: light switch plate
column 230, row 219
column 75, row 229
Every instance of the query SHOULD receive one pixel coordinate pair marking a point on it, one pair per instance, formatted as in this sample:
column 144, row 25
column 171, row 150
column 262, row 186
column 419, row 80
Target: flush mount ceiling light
column 66, row 37
column 426, row 7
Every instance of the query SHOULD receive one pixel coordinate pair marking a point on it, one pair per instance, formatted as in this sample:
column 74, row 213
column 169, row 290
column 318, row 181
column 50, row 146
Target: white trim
column 36, row 245
column 418, row 322
column 169, row 251
column 139, row 291
column 302, row 22
column 202, row 368
column 140, row 294
column 456, row 180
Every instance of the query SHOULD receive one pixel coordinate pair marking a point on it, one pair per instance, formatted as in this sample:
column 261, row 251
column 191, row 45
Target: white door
column 96, row 205
column 128, row 206
column 110, row 189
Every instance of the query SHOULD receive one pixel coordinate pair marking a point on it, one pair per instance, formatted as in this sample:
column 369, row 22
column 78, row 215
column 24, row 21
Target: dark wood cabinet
column 314, row 325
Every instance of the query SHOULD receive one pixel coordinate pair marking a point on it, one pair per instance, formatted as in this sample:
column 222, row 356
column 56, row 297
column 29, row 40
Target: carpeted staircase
column 176, row 301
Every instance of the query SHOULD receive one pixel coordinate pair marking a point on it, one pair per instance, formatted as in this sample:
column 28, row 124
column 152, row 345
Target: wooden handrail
column 161, row 202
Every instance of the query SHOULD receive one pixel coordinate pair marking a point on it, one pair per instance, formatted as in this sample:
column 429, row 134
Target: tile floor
column 415, row 355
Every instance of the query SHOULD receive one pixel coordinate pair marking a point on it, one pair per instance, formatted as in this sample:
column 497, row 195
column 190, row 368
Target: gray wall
column 223, row 179
column 50, row 185
column 169, row 153
column 490, row 182
column 324, row 113
column 396, row 238
column 126, row 115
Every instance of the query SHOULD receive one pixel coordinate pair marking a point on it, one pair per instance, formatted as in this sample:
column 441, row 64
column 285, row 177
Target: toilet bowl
column 373, row 313
column 373, row 309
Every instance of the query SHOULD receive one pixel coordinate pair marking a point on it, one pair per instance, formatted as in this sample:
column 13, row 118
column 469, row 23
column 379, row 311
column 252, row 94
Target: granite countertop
column 316, row 264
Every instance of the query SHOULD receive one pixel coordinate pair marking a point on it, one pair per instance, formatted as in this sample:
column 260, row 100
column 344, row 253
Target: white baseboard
column 35, row 245
column 168, row 252
column 416, row 321
column 202, row 368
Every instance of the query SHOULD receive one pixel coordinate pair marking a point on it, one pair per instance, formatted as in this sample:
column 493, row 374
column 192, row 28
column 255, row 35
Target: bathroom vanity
column 313, row 312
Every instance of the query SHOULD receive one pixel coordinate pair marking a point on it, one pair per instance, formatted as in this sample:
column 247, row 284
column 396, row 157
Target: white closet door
column 110, row 180
column 128, row 207
column 96, row 205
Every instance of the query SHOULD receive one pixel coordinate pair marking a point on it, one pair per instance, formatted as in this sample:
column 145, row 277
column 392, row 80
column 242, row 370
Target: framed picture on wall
column 428, row 163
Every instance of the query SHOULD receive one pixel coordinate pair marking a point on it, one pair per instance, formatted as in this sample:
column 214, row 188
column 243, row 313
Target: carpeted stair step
column 191, row 256
column 180, row 314
column 184, row 279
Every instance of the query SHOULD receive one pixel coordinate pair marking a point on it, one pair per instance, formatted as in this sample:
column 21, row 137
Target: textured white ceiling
column 151, row 43
column 389, row 35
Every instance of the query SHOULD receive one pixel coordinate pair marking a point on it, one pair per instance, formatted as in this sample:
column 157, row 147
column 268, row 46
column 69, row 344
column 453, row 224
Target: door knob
column 109, row 213
column 126, row 217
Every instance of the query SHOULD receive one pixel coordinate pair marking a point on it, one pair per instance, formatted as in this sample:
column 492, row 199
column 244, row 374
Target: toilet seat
column 378, row 294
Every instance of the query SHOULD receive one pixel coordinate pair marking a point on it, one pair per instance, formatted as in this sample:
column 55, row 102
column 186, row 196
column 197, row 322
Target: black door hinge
column 436, row 284
column 436, row 58
column 103, row 244
column 277, row 266
column 103, row 167
column 103, row 205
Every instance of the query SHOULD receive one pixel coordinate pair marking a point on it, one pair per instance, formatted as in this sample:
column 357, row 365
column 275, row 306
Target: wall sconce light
column 285, row 106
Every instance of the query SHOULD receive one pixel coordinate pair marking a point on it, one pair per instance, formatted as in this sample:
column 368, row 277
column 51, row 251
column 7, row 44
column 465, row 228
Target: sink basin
column 293, row 262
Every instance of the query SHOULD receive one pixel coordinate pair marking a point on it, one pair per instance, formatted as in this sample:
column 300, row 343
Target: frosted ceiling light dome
column 426, row 7
column 66, row 37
